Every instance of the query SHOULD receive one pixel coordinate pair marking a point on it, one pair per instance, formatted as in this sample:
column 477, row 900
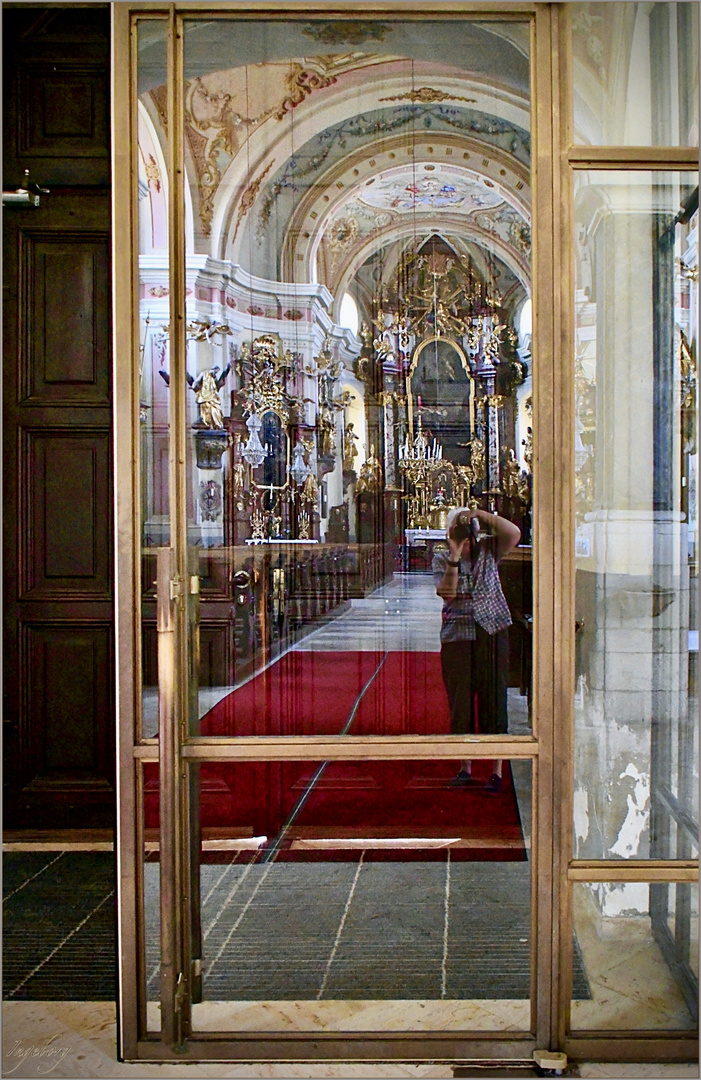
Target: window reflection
column 636, row 454
column 361, row 181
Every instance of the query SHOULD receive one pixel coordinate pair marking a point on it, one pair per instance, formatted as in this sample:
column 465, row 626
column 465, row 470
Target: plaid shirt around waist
column 479, row 600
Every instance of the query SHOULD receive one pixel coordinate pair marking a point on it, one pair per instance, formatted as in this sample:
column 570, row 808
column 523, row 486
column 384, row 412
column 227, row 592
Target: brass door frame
column 634, row 1046
column 550, row 748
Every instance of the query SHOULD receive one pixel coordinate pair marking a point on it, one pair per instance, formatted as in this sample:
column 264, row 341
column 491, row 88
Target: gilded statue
column 384, row 345
column 370, row 478
column 207, row 386
column 350, row 450
column 477, row 458
column 366, row 338
column 238, row 478
column 512, row 483
column 310, row 490
column 327, row 431
column 362, row 365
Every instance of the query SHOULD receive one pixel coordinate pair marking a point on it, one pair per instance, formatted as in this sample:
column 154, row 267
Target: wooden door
column 58, row 607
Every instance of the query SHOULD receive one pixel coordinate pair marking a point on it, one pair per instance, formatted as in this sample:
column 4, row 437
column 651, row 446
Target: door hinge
column 179, row 993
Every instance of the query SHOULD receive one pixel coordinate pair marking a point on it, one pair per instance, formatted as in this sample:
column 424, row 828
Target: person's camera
column 461, row 529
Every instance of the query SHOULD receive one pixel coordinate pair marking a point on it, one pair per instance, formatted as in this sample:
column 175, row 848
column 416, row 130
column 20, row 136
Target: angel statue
column 207, row 386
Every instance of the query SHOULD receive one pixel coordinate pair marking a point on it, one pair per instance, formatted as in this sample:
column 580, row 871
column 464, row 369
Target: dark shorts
column 474, row 674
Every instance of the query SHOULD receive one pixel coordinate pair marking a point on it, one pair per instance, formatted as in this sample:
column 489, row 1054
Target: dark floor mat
column 59, row 926
column 59, row 931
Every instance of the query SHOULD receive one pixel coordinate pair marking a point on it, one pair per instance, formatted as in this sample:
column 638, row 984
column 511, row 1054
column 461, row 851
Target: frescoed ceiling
column 323, row 172
column 425, row 187
column 413, row 200
column 310, row 142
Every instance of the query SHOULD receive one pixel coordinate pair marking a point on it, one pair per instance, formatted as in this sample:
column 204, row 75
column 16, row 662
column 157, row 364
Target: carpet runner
column 331, row 811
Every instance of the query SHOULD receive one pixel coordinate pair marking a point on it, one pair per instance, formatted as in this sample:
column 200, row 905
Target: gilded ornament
column 427, row 95
column 153, row 173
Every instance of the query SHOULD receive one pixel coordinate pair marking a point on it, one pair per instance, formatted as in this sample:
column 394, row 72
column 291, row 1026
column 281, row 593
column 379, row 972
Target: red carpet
column 392, row 810
column 313, row 693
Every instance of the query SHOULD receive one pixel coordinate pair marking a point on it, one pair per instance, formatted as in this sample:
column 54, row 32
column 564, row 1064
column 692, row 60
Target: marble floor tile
column 631, row 985
column 84, row 1037
column 395, row 1016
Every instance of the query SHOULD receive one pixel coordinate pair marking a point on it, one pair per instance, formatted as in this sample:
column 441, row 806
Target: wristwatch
column 453, row 563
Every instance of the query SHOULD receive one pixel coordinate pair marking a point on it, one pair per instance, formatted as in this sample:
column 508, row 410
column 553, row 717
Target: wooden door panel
column 65, row 296
column 58, row 550
column 66, row 545
column 66, row 671
column 63, row 109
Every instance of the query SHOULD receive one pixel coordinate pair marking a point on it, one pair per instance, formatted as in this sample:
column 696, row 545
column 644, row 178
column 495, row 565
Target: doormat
column 59, row 926
column 60, row 942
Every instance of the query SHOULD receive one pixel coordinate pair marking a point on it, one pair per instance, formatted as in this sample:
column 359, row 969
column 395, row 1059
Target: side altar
column 420, row 546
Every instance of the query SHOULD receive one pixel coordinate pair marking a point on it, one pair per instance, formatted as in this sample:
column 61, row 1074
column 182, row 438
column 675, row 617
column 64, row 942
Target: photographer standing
column 474, row 640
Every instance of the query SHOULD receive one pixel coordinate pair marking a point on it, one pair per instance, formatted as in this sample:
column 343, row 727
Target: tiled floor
column 404, row 615
column 82, row 1036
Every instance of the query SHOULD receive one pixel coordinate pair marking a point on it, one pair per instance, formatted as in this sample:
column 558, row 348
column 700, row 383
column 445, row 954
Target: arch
column 503, row 172
column 319, row 113
column 517, row 264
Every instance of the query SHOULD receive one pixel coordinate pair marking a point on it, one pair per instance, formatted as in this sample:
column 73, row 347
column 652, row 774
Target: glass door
column 346, row 469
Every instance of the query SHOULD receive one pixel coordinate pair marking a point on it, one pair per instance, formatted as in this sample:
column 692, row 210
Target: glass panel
column 636, row 454
column 328, row 440
column 151, row 898
column 637, row 976
column 154, row 316
column 635, row 73
column 676, row 917
column 329, row 883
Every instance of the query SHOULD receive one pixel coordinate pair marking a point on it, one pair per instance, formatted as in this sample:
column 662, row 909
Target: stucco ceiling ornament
column 153, row 173
column 343, row 233
column 250, row 195
column 217, row 123
column 506, row 223
column 427, row 95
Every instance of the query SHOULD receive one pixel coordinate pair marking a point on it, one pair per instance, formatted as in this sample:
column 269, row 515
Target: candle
column 418, row 400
